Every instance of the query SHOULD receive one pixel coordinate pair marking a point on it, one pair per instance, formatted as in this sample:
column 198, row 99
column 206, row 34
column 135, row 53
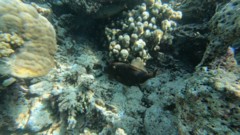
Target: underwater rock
column 155, row 117
column 191, row 41
column 8, row 82
column 99, row 8
column 210, row 104
column 39, row 116
column 196, row 11
column 40, row 88
column 225, row 32
column 129, row 110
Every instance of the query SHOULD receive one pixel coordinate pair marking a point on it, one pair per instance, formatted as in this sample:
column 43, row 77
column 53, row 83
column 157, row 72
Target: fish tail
column 155, row 72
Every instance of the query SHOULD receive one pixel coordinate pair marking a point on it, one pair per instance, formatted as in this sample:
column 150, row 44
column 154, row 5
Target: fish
column 129, row 74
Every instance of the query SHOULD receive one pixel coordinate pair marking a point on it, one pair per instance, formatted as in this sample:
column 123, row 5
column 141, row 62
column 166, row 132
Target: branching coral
column 68, row 102
column 142, row 30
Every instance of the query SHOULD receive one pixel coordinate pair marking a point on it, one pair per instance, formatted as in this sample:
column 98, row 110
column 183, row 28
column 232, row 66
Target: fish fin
column 138, row 63
column 155, row 72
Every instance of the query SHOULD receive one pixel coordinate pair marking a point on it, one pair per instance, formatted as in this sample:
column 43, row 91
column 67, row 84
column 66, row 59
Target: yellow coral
column 41, row 10
column 5, row 49
column 31, row 35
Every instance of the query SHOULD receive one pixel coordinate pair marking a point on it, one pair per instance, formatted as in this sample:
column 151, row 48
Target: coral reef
column 226, row 16
column 99, row 9
column 160, row 99
column 191, row 41
column 41, row 10
column 24, row 114
column 141, row 30
column 196, row 11
column 83, row 5
column 204, row 38
column 210, row 104
column 84, row 102
column 79, row 97
column 9, row 43
column 224, row 32
column 28, row 37
column 73, row 101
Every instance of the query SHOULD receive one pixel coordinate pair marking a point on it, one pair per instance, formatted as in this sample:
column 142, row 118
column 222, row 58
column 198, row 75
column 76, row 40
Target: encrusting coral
column 142, row 30
column 28, row 40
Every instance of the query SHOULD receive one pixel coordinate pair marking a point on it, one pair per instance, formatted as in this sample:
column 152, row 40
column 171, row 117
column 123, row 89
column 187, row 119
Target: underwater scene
column 119, row 67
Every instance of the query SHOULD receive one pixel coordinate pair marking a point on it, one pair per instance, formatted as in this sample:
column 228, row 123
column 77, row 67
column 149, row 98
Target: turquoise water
column 119, row 67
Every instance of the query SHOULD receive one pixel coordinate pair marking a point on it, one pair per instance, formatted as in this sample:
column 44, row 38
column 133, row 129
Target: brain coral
column 32, row 57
